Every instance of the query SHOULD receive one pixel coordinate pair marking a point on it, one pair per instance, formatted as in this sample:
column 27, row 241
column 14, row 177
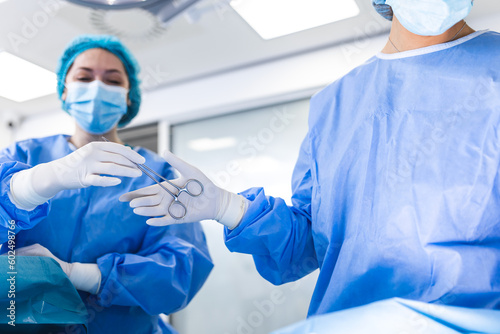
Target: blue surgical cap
column 383, row 9
column 113, row 45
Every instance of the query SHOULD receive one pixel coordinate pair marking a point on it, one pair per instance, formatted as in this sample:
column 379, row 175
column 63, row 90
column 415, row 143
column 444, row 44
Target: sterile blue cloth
column 37, row 295
column 397, row 316
column 145, row 270
column 112, row 44
column 396, row 191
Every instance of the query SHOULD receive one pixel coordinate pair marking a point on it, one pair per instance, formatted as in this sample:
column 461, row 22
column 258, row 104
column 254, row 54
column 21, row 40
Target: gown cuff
column 85, row 277
column 22, row 194
column 235, row 208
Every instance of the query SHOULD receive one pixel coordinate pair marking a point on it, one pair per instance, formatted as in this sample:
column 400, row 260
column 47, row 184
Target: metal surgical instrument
column 176, row 202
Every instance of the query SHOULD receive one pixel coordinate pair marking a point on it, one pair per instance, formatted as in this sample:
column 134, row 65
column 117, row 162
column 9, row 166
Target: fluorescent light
column 275, row 18
column 21, row 80
column 209, row 144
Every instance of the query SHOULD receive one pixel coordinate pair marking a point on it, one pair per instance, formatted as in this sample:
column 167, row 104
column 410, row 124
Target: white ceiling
column 218, row 41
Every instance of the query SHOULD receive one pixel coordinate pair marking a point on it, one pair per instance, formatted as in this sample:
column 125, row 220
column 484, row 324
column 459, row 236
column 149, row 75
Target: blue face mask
column 97, row 107
column 430, row 17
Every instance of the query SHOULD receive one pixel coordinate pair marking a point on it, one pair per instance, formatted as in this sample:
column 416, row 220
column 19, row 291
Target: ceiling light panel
column 276, row 18
column 22, row 81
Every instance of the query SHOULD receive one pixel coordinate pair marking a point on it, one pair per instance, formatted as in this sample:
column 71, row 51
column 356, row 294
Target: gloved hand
column 84, row 276
column 214, row 203
column 80, row 169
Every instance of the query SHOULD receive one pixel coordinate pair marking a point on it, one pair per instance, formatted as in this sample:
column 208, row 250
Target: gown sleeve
column 12, row 160
column 163, row 277
column 277, row 235
column 170, row 268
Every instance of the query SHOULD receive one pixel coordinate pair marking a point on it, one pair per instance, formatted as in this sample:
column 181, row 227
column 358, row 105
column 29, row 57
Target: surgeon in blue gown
column 62, row 192
column 396, row 191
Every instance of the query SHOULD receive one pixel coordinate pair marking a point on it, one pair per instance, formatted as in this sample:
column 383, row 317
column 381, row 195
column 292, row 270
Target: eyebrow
column 107, row 71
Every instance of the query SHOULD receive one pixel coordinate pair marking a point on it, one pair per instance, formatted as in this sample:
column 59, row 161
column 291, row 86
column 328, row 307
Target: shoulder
column 43, row 141
column 482, row 46
column 485, row 42
column 489, row 35
column 25, row 147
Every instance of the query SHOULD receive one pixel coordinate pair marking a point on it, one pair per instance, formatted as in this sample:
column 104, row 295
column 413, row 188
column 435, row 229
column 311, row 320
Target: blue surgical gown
column 396, row 191
column 145, row 270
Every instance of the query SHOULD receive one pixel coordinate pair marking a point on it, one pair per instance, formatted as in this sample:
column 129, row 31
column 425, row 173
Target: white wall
column 8, row 121
column 46, row 124
column 5, row 136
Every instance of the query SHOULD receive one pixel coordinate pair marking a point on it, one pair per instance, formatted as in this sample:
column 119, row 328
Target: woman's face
column 97, row 64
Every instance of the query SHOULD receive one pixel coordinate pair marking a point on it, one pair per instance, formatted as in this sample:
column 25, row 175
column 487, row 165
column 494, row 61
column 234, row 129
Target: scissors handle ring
column 174, row 203
column 190, row 193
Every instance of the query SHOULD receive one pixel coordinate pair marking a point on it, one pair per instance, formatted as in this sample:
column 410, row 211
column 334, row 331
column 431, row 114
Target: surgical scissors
column 176, row 201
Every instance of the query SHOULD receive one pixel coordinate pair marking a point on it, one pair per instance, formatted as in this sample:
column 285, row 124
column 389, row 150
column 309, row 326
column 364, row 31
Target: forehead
column 98, row 59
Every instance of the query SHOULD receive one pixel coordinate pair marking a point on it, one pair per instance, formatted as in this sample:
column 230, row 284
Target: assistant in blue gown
column 145, row 270
column 396, row 192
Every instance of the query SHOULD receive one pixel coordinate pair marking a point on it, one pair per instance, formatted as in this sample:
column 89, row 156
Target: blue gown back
column 396, row 191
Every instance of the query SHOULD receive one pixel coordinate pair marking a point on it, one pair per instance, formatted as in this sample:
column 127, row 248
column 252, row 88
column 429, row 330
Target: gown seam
column 430, row 49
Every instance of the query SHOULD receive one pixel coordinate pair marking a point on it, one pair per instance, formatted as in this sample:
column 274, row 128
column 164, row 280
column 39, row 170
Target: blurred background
column 226, row 86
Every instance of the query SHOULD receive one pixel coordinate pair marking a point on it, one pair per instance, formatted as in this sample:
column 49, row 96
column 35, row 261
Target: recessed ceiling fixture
column 164, row 10
column 135, row 24
column 276, row 18
column 21, row 80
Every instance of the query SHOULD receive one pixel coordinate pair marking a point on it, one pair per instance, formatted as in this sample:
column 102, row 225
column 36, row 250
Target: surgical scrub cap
column 113, row 45
column 383, row 9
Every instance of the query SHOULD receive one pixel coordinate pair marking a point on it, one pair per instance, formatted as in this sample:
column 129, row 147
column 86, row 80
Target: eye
column 114, row 79
column 84, row 79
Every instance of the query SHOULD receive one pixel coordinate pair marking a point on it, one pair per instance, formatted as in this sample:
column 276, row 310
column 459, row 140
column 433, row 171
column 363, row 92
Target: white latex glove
column 84, row 276
column 80, row 169
column 214, row 203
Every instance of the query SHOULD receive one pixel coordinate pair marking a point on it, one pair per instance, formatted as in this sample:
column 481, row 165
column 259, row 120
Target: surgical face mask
column 97, row 107
column 430, row 17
